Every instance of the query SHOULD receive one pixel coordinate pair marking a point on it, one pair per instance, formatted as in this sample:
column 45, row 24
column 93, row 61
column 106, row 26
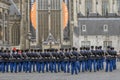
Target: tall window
column 118, row 6
column 88, row 6
column 105, row 7
column 15, row 35
column 85, row 43
column 107, row 43
column 0, row 33
column 83, row 28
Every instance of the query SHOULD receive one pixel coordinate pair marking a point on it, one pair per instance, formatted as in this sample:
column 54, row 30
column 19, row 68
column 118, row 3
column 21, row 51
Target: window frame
column 83, row 28
column 105, row 28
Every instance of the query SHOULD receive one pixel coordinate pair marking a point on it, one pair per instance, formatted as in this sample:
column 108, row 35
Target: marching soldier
column 67, row 60
column 108, row 60
column 47, row 59
column 114, row 54
column 83, row 60
column 97, row 58
column 93, row 57
column 74, row 61
column 61, row 63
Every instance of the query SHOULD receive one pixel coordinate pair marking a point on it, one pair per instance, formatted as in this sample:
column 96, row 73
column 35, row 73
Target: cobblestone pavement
column 102, row 75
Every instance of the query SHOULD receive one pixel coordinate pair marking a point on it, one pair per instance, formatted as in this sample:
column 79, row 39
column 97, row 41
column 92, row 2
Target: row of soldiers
column 54, row 60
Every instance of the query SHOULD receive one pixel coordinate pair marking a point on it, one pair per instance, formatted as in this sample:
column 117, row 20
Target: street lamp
column 29, row 38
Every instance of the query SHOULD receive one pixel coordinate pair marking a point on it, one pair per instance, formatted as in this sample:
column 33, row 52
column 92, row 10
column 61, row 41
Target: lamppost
column 29, row 38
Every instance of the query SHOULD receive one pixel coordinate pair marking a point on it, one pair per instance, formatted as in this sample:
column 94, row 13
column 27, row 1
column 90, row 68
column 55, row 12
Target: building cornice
column 6, row 2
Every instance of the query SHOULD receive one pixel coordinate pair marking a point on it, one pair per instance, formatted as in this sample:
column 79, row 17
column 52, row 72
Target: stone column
column 28, row 25
column 23, row 27
column 110, row 6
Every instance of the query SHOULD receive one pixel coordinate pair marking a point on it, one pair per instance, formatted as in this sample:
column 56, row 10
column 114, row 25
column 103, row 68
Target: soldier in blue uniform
column 48, row 63
column 61, row 60
column 108, row 60
column 114, row 54
column 93, row 57
column 43, row 55
column 83, row 59
column 97, row 58
column 86, row 58
column 101, row 54
column 26, row 55
column 54, row 60
column 5, row 61
column 67, row 60
column 89, row 61
column 74, row 61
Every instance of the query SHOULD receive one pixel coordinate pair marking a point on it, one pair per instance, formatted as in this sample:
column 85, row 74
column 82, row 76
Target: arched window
column 15, row 35
column 0, row 33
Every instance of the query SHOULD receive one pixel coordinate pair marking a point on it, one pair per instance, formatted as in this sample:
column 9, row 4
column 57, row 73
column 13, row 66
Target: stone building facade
column 4, row 22
column 97, row 23
column 49, row 21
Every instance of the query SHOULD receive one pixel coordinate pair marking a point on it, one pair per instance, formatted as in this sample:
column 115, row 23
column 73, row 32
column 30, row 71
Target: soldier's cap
column 96, row 47
column 66, row 49
column 35, row 50
column 100, row 47
column 73, row 48
column 9, row 51
column 22, row 50
column 112, row 48
column 84, row 47
column 31, row 50
column 7, row 48
column 61, row 49
column 108, row 46
column 69, row 48
column 81, row 48
column 26, row 50
column 56, row 50
column 76, row 49
column 92, row 47
column 48, row 50
column 17, row 50
column 51, row 50
column 5, row 51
